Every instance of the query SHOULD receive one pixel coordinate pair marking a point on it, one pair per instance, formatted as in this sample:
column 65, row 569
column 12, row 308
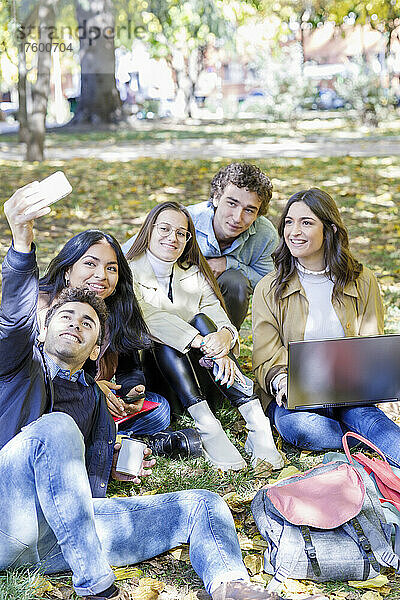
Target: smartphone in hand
column 53, row 188
column 133, row 399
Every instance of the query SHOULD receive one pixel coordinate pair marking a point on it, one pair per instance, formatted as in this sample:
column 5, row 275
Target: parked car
column 327, row 99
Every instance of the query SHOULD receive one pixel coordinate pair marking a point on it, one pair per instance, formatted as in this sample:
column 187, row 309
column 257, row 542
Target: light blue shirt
column 250, row 252
column 55, row 370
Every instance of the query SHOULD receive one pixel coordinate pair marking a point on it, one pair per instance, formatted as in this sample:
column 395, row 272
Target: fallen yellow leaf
column 375, row 583
column 126, row 573
column 236, row 502
column 371, row 596
column 287, row 472
column 144, row 593
column 263, row 469
column 262, row 578
column 245, row 542
column 181, row 553
column 148, row 589
column 153, row 583
column 293, row 586
column 259, row 543
column 41, row 585
column 254, row 563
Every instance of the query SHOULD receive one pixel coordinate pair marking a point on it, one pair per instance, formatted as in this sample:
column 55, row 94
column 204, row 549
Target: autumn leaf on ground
column 237, row 502
column 122, row 573
column 286, row 472
column 42, row 585
column 261, row 578
column 148, row 589
column 263, row 469
column 254, row 563
column 181, row 553
column 371, row 596
column 375, row 583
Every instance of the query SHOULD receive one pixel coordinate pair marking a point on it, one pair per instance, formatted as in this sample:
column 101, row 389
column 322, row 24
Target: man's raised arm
column 19, row 280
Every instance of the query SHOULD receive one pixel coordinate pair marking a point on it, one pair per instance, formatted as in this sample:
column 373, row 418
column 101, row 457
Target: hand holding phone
column 133, row 399
column 50, row 189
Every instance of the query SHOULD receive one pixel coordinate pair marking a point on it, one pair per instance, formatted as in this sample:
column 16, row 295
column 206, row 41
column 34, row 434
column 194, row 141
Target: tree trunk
column 41, row 89
column 99, row 100
column 23, row 132
column 187, row 77
column 27, row 19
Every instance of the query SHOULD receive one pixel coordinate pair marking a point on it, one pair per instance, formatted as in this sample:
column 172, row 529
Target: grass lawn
column 115, row 197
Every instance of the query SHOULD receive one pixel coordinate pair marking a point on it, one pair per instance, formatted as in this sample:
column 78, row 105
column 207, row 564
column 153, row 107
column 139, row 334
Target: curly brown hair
column 243, row 175
column 84, row 296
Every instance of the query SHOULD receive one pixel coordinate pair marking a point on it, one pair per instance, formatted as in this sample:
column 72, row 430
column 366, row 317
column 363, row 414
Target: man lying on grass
column 57, row 446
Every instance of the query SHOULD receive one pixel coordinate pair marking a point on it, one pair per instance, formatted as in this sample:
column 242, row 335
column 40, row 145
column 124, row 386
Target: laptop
column 343, row 372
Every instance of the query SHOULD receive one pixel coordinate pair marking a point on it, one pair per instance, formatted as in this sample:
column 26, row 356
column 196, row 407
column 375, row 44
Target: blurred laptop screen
column 345, row 371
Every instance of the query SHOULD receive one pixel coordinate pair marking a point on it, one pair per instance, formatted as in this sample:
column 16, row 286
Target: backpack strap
column 292, row 547
column 310, row 550
column 365, row 543
column 360, row 439
column 380, row 548
column 396, row 544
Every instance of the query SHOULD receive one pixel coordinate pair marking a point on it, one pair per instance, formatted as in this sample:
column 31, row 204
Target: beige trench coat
column 275, row 324
column 168, row 321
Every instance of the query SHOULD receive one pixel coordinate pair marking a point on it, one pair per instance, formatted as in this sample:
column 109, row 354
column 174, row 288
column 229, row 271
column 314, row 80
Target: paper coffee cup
column 130, row 456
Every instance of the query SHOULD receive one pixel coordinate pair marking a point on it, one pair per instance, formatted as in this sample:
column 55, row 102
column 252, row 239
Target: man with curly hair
column 234, row 234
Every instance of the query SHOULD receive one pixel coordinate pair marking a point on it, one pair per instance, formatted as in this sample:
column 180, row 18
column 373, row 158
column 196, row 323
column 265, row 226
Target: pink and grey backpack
column 324, row 524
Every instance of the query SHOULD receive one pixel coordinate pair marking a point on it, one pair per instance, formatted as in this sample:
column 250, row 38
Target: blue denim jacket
column 250, row 252
column 25, row 388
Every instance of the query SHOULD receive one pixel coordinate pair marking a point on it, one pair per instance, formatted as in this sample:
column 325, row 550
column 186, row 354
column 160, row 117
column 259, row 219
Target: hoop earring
column 66, row 279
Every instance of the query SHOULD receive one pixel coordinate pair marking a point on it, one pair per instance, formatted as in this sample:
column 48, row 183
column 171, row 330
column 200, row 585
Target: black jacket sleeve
column 129, row 372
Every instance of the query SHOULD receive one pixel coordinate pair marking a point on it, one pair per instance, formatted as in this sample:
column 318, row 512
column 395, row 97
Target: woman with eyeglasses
column 184, row 311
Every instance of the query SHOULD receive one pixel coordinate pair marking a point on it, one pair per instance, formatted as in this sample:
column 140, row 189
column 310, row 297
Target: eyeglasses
column 164, row 229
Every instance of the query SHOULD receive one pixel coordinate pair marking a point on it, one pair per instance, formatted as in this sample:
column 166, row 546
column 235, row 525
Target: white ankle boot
column 260, row 443
column 217, row 448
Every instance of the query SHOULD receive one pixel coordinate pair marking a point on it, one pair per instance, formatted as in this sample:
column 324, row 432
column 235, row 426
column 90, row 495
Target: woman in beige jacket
column 184, row 311
column 318, row 290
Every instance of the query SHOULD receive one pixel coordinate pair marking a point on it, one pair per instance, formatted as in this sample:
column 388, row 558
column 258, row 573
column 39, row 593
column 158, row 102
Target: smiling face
column 304, row 236
column 169, row 247
column 97, row 270
column 72, row 335
column 235, row 211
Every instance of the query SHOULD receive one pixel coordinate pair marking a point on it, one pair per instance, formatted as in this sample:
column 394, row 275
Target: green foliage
column 285, row 86
column 363, row 92
column 301, row 11
column 380, row 14
column 20, row 584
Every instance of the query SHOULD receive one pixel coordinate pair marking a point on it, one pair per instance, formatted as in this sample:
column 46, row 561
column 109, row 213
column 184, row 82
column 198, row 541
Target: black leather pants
column 184, row 374
column 236, row 290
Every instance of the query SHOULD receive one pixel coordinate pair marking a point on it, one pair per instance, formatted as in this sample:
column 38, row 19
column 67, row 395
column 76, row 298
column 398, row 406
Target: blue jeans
column 323, row 429
column 49, row 519
column 153, row 422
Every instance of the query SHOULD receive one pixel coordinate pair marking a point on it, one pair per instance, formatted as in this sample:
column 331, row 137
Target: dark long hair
column 126, row 326
column 190, row 256
column 343, row 267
